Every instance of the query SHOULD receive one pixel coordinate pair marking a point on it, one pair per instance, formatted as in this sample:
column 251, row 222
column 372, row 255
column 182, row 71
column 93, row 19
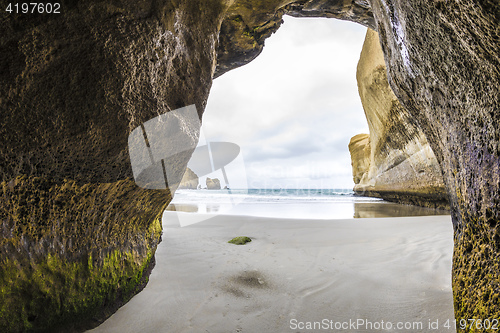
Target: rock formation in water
column 396, row 162
column 360, row 150
column 189, row 180
column 213, row 184
column 78, row 234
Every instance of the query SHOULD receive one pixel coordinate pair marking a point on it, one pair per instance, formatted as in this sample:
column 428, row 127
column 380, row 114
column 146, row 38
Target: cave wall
column 443, row 60
column 398, row 164
column 248, row 23
column 78, row 236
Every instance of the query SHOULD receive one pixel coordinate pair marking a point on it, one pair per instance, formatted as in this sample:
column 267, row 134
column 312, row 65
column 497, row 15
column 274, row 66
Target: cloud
column 294, row 108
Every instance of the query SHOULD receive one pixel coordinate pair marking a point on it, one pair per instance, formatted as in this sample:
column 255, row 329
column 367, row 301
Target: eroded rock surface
column 443, row 60
column 78, row 236
column 248, row 23
column 396, row 163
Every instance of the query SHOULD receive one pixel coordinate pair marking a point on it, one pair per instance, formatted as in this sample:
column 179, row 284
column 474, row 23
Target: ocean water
column 291, row 203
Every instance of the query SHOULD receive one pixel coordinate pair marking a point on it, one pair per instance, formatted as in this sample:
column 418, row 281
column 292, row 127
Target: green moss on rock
column 241, row 240
column 476, row 273
column 70, row 255
column 56, row 293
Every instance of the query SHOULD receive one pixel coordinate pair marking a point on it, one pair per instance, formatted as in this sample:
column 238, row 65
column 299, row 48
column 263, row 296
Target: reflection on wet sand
column 190, row 208
column 183, row 208
column 389, row 209
column 340, row 210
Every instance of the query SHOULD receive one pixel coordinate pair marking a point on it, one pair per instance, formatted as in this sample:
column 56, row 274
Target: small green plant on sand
column 241, row 240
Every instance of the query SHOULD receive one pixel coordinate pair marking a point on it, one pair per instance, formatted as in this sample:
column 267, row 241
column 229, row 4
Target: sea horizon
column 301, row 203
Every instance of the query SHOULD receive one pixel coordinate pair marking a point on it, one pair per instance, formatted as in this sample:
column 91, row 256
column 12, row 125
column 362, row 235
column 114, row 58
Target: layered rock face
column 396, row 163
column 74, row 85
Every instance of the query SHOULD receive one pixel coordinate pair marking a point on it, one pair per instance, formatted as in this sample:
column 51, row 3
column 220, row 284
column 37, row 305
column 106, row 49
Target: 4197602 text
column 34, row 8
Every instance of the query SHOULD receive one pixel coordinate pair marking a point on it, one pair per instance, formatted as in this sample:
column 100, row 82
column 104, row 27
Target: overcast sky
column 293, row 109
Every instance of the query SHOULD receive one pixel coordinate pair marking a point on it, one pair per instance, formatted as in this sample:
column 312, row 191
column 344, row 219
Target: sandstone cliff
column 360, row 149
column 396, row 162
column 189, row 180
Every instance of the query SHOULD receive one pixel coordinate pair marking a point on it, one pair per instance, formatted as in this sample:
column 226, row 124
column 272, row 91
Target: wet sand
column 335, row 210
column 353, row 275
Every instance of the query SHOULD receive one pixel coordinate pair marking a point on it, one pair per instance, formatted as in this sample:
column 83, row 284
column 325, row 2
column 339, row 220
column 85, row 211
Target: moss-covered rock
column 71, row 254
column 241, row 240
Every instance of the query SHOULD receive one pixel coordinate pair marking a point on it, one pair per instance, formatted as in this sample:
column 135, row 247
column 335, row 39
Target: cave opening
column 295, row 111
column 300, row 105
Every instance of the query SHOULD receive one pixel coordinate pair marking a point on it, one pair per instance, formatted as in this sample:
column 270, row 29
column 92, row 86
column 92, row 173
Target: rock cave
column 78, row 236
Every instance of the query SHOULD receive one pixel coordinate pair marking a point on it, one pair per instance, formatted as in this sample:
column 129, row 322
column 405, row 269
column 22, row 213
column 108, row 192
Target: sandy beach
column 352, row 275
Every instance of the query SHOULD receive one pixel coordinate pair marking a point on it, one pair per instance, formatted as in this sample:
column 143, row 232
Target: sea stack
column 213, row 184
column 189, row 180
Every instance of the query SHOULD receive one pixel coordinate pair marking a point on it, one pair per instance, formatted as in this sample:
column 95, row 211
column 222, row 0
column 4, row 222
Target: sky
column 294, row 108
